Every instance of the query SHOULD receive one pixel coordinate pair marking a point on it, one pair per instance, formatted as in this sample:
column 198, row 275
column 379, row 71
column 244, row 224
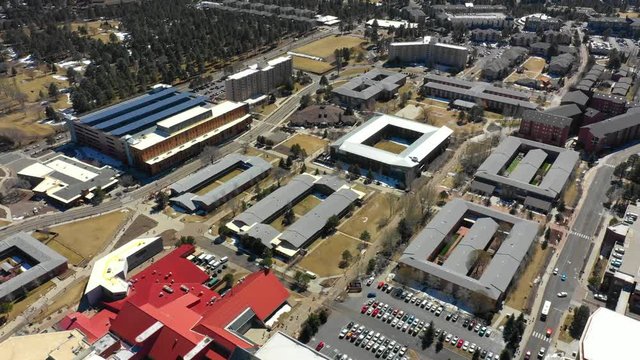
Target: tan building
column 259, row 80
column 63, row 345
column 160, row 129
column 429, row 51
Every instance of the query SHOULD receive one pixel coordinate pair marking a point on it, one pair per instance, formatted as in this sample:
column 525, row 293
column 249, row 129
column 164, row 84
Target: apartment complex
column 470, row 252
column 430, row 52
column 363, row 91
column 26, row 264
column 610, row 133
column 545, row 128
column 158, row 130
column 188, row 192
column 338, row 198
column 415, row 145
column 259, row 80
column 506, row 101
column 526, row 170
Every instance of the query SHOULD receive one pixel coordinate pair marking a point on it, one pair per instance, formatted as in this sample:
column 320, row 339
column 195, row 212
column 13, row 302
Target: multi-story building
column 526, row 170
column 429, row 51
column 503, row 100
column 558, row 36
column 624, row 280
column 156, row 131
column 490, row 35
column 416, row 145
column 608, row 103
column 481, row 20
column 542, row 21
column 259, row 80
column 500, row 66
column 363, row 91
column 606, row 327
column 524, row 39
column 470, row 252
column 466, row 8
column 545, row 128
column 610, row 133
column 561, row 64
column 617, row 25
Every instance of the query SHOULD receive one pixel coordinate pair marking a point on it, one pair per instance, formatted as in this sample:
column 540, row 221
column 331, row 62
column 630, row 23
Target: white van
column 224, row 259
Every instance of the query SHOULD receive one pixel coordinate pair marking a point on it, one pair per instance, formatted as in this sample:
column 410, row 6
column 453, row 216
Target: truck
column 545, row 310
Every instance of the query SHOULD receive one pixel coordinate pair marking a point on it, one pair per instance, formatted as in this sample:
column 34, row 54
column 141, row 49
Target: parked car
column 320, row 346
column 562, row 294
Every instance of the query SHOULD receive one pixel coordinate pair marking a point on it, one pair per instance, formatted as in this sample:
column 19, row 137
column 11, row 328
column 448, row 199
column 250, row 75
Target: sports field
column 325, row 47
column 532, row 69
column 312, row 66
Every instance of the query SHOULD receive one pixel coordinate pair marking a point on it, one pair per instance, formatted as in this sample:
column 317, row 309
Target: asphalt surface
column 577, row 250
column 349, row 310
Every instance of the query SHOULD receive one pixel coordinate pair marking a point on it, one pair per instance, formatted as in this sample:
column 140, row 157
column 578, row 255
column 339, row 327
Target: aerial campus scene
column 319, row 179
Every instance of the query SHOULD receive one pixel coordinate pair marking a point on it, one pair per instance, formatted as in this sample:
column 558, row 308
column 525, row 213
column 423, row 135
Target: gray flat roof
column 479, row 235
column 312, row 222
column 631, row 258
column 498, row 275
column 48, row 261
column 252, row 166
column 528, row 166
column 576, row 97
column 374, row 86
column 479, row 90
column 278, row 200
column 552, row 183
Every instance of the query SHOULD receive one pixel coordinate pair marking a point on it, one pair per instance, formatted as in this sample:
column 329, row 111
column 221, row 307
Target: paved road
column 577, row 249
column 258, row 128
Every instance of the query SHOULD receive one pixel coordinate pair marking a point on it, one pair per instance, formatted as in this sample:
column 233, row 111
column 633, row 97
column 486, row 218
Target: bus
column 545, row 310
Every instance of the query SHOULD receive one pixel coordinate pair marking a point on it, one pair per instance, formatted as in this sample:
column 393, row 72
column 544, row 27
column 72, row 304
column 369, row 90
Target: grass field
column 95, row 29
column 519, row 296
column 230, row 175
column 309, row 143
column 305, row 205
column 277, row 223
column 19, row 307
column 32, row 86
column 312, row 66
column 69, row 298
column 390, row 146
column 212, row 185
column 533, row 67
column 564, row 329
column 513, row 164
column 630, row 15
column 354, row 71
column 325, row 47
column 369, row 216
column 324, row 259
column 82, row 240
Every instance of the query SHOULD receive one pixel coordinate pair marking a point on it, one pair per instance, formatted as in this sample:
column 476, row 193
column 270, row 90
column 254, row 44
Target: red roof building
column 169, row 313
column 93, row 327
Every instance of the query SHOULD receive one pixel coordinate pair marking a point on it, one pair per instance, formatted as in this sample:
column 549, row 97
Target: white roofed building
column 430, row 52
column 392, row 146
column 259, row 80
column 609, row 335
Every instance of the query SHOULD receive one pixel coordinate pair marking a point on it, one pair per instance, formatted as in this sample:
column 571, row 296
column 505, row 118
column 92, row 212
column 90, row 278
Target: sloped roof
column 505, row 263
column 546, row 118
column 576, row 97
column 616, row 123
column 567, row 110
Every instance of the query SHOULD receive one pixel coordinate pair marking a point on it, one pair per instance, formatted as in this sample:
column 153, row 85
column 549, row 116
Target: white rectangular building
column 429, row 51
column 259, row 79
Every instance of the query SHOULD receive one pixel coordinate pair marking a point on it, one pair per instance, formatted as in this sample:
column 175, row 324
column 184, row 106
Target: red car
column 549, row 332
column 375, row 312
column 320, row 346
column 459, row 344
column 380, row 284
column 395, row 312
column 364, row 309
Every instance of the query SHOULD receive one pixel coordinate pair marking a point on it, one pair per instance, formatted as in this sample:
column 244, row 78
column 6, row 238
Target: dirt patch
column 140, row 225
column 20, row 306
column 521, row 295
column 324, row 259
column 305, row 205
column 564, row 329
column 370, row 215
column 68, row 299
column 325, row 47
column 390, row 146
column 310, row 144
column 168, row 237
column 312, row 66
column 82, row 240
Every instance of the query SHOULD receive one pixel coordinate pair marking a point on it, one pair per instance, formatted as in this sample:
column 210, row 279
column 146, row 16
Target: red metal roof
column 188, row 312
column 93, row 328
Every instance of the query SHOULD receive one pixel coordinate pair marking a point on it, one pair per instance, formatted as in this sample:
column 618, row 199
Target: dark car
column 455, row 317
column 465, row 323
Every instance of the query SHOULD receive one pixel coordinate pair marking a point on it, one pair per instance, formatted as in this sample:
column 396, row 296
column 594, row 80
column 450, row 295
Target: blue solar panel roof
column 126, row 106
column 135, row 115
column 154, row 118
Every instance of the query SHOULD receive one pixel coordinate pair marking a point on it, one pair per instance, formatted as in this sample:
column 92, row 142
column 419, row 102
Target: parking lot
column 351, row 310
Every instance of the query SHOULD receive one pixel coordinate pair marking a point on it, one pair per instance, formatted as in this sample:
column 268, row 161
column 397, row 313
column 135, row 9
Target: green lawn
column 514, row 164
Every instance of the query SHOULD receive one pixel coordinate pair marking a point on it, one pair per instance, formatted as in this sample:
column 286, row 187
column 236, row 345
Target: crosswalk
column 584, row 236
column 541, row 336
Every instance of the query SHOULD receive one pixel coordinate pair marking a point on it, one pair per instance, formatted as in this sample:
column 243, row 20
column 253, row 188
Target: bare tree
column 279, row 174
column 210, row 154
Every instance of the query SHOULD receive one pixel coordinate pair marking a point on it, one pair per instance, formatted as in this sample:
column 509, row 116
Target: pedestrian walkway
column 540, row 336
column 584, row 236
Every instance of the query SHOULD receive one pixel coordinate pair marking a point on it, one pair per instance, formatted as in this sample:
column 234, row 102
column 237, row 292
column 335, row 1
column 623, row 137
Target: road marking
column 540, row 336
column 584, row 236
